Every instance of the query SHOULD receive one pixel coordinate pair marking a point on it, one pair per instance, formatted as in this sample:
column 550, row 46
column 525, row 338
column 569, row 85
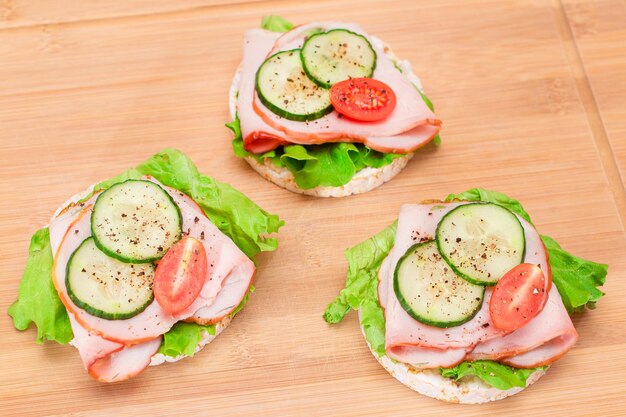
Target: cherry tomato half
column 519, row 296
column 180, row 275
column 364, row 99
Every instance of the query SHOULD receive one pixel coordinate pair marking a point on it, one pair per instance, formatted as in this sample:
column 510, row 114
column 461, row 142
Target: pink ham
column 234, row 290
column 104, row 359
column 540, row 342
column 547, row 336
column 91, row 347
column 125, row 363
column 257, row 135
column 223, row 255
column 410, row 126
column 109, row 361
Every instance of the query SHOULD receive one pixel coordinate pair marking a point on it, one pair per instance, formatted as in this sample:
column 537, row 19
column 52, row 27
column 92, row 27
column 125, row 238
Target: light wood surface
column 531, row 94
column 599, row 29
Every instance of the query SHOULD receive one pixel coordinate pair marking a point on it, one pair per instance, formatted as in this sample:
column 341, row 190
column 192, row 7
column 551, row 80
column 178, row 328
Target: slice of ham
column 234, row 290
column 541, row 341
column 125, row 363
column 99, row 355
column 258, row 137
column 411, row 125
column 109, row 361
column 223, row 255
column 91, row 347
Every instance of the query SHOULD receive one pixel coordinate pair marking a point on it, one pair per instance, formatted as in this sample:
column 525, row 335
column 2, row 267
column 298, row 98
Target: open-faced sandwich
column 325, row 109
column 462, row 300
column 146, row 267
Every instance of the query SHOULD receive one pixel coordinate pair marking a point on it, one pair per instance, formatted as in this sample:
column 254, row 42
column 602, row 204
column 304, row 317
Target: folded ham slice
column 541, row 341
column 235, row 287
column 113, row 350
column 411, row 125
column 125, row 363
column 109, row 361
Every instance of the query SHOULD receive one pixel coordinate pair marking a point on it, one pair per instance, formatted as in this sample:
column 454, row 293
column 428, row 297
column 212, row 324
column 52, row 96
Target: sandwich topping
column 284, row 92
column 466, row 287
column 144, row 268
column 443, row 324
column 119, row 302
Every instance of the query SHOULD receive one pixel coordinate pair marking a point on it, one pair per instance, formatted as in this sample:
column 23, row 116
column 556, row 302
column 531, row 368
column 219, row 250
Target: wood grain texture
column 88, row 91
column 599, row 30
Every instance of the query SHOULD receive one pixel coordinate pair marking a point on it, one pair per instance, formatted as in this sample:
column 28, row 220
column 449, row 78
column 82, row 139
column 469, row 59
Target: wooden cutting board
column 531, row 94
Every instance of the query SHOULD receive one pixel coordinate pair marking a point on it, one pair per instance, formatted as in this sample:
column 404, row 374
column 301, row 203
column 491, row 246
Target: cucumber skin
column 120, row 257
column 283, row 113
column 454, row 268
column 405, row 305
column 322, row 83
column 89, row 309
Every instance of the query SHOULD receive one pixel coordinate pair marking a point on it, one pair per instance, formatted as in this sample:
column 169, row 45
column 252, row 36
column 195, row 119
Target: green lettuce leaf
column 275, row 24
column 38, row 301
column 183, row 338
column 233, row 213
column 576, row 279
column 326, row 165
column 493, row 373
column 361, row 291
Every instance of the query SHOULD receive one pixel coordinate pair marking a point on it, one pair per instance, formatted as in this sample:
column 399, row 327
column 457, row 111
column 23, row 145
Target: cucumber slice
column 429, row 290
column 135, row 221
column 481, row 241
column 106, row 287
column 337, row 55
column 284, row 88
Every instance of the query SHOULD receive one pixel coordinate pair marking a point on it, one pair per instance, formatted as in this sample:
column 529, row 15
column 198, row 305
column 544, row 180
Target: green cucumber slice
column 135, row 221
column 337, row 55
column 481, row 241
column 284, row 88
column 106, row 287
column 429, row 290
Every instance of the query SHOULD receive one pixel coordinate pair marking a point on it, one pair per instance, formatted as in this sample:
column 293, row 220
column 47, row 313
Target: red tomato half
column 180, row 275
column 518, row 297
column 364, row 99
